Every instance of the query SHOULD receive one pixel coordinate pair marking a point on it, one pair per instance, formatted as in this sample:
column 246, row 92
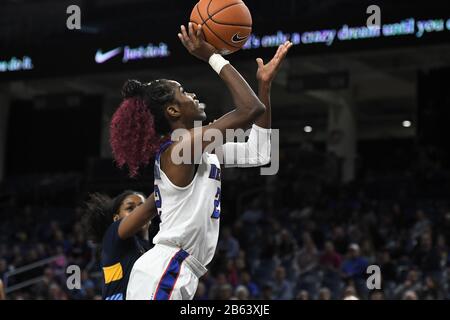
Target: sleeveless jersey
column 190, row 215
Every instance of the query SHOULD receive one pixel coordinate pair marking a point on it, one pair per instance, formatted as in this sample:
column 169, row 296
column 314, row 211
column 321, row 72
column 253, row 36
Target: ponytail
column 139, row 123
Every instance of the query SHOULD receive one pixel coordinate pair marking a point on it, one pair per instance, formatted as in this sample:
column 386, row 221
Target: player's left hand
column 267, row 72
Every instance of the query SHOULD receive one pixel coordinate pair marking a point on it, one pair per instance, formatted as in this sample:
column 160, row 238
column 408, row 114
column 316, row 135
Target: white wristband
column 217, row 62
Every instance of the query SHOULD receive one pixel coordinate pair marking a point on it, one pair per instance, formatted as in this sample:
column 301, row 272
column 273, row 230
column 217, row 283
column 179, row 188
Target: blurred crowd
column 33, row 237
column 301, row 259
column 296, row 235
column 294, row 254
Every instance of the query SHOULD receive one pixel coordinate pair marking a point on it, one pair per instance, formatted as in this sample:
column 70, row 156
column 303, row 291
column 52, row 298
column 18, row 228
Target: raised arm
column 265, row 75
column 248, row 107
column 256, row 151
column 138, row 218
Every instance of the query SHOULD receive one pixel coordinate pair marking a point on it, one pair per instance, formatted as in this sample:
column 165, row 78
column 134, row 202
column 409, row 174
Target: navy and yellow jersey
column 118, row 258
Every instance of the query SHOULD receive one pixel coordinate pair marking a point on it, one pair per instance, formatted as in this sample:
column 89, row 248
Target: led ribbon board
column 62, row 59
column 128, row 53
column 329, row 37
column 14, row 64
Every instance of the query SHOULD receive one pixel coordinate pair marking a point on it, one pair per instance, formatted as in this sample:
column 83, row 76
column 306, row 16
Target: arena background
column 364, row 158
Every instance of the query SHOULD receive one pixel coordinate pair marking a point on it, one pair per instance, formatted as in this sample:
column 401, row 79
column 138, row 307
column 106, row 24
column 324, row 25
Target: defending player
column 121, row 226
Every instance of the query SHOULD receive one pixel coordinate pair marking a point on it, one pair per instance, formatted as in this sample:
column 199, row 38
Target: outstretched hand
column 267, row 72
column 194, row 42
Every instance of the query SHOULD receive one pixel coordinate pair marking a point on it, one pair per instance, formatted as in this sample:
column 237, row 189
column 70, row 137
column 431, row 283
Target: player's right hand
column 195, row 42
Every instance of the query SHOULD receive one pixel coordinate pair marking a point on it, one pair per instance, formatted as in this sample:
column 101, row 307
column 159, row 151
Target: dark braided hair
column 99, row 213
column 139, row 123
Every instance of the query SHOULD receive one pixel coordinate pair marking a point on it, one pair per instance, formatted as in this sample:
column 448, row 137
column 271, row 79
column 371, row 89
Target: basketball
column 227, row 24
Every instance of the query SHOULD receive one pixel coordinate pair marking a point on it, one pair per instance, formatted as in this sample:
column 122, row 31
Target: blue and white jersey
column 190, row 215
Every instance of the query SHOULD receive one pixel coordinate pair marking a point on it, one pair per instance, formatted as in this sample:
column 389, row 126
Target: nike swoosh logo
column 102, row 57
column 237, row 38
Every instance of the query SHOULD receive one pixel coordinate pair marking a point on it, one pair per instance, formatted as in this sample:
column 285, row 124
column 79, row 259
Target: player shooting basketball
column 187, row 195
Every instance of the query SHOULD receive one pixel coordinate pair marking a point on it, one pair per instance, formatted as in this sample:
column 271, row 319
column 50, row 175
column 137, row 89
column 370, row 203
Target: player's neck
column 187, row 125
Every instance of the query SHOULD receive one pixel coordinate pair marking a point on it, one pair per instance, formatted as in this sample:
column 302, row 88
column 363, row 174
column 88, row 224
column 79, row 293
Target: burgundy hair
column 139, row 123
column 133, row 136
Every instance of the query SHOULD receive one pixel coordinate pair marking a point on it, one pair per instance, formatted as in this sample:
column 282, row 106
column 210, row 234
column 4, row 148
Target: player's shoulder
column 211, row 158
column 111, row 234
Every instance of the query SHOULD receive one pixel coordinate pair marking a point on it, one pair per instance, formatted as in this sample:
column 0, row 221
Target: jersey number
column 158, row 200
column 216, row 212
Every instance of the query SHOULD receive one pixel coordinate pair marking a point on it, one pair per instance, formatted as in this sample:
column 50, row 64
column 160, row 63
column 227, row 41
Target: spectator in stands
column 61, row 262
column 220, row 281
column 305, row 265
column 389, row 272
column 226, row 292
column 87, row 286
column 411, row 283
column 42, row 288
column 268, row 259
column 240, row 263
column 253, row 214
column 302, row 295
column 229, row 244
column 354, row 269
column 267, row 292
column 398, row 218
column 431, row 290
column 441, row 246
column 410, row 295
column 427, row 257
column 330, row 260
column 307, row 258
column 443, row 225
column 208, row 280
column 324, row 294
column 340, row 239
column 350, row 293
column 282, row 288
column 368, row 251
column 2, row 291
column 232, row 273
column 242, row 293
column 251, row 286
column 285, row 245
column 421, row 225
column 3, row 268
column 201, row 294
column 55, row 292
column 376, row 295
column 355, row 266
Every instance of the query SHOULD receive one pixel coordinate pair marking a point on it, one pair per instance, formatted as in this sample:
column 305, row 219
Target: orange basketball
column 226, row 24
